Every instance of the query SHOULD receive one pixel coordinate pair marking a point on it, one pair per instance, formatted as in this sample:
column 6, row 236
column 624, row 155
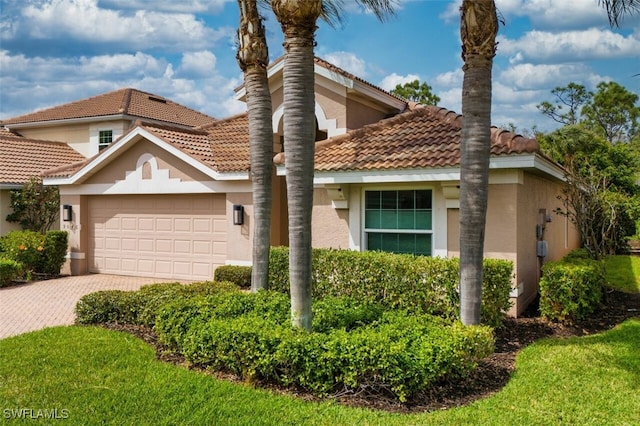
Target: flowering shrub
column 36, row 252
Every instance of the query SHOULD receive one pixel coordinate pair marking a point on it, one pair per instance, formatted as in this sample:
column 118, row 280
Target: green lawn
column 96, row 376
column 623, row 273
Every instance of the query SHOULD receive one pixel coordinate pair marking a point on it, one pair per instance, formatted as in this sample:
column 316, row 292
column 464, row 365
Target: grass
column 624, row 271
column 105, row 377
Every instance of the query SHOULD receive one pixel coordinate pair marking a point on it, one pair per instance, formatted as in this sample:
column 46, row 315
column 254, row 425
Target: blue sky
column 57, row 51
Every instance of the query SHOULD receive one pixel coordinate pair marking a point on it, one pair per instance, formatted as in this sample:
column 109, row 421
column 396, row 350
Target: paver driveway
column 43, row 304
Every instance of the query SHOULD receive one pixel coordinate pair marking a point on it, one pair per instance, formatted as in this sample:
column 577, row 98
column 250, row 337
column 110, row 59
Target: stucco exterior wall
column 5, row 209
column 360, row 114
column 329, row 226
column 127, row 162
column 239, row 237
column 76, row 263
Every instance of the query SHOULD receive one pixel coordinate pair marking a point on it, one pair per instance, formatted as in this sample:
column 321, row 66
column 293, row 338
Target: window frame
column 102, row 145
column 365, row 230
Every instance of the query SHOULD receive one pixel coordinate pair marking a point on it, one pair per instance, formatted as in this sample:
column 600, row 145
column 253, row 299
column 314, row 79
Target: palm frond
column 617, row 9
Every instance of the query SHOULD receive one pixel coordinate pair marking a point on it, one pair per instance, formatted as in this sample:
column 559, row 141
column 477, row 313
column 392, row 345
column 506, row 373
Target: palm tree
column 616, row 9
column 478, row 29
column 298, row 21
column 253, row 58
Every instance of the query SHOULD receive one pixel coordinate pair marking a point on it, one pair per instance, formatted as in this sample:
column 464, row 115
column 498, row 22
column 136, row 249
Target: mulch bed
column 490, row 377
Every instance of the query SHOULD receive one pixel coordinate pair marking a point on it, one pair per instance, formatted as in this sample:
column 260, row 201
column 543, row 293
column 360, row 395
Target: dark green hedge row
column 36, row 252
column 360, row 346
column 421, row 284
column 571, row 289
column 139, row 307
column 239, row 275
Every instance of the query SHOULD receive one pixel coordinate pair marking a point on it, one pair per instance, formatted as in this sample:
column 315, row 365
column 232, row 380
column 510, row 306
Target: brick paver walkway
column 48, row 303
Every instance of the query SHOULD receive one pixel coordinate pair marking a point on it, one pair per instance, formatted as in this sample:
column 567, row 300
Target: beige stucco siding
column 5, row 209
column 329, row 226
column 127, row 162
column 360, row 114
column 239, row 237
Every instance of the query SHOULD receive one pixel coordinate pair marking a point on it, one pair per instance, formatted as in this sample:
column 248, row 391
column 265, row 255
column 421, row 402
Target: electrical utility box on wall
column 542, row 249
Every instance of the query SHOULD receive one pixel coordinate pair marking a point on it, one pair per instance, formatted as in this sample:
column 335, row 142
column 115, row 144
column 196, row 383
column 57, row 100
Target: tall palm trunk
column 478, row 29
column 298, row 20
column 253, row 58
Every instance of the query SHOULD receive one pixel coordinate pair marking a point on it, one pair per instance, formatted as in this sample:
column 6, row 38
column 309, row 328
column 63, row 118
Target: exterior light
column 67, row 213
column 238, row 214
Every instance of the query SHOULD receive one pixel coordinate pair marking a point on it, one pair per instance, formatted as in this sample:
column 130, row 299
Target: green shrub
column 25, row 247
column 239, row 275
column 141, row 307
column 571, row 290
column 55, row 251
column 399, row 281
column 401, row 352
column 343, row 313
column 107, row 306
column 38, row 253
column 9, row 271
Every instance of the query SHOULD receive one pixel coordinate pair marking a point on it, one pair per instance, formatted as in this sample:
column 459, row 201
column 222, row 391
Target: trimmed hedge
column 140, row 307
column 359, row 347
column 239, row 275
column 571, row 289
column 9, row 271
column 398, row 281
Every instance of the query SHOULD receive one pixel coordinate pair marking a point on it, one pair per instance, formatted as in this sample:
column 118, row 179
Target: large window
column 399, row 221
column 105, row 137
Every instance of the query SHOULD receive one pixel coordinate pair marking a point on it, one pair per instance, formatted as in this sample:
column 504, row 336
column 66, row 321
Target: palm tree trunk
column 253, row 58
column 478, row 28
column 298, row 21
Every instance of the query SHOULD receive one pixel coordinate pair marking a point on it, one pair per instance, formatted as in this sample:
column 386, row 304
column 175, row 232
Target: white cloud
column 569, row 46
column 554, row 13
column 197, row 64
column 450, row 79
column 84, row 20
column 183, row 6
column 530, row 76
column 391, row 81
column 53, row 81
column 348, row 62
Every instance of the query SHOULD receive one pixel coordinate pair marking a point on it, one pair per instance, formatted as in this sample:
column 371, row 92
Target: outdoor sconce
column 67, row 213
column 238, row 214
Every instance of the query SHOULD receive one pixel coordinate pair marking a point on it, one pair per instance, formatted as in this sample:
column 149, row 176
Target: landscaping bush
column 398, row 351
column 571, row 289
column 9, row 271
column 398, row 281
column 239, row 275
column 55, row 251
column 140, row 307
column 36, row 252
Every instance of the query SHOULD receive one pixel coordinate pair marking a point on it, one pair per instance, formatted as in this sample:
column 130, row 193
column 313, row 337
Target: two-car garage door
column 163, row 236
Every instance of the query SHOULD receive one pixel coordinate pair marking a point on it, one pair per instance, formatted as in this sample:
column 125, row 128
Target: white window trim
column 438, row 218
column 113, row 133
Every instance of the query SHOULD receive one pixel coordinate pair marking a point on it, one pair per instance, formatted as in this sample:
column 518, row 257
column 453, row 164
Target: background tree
column 35, row 207
column 253, row 59
column 478, row 30
column 416, row 92
column 612, row 112
column 569, row 102
column 298, row 19
column 600, row 195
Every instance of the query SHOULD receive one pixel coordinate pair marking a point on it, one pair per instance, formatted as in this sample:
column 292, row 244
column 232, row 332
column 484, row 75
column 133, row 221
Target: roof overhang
column 10, row 186
column 531, row 162
column 121, row 146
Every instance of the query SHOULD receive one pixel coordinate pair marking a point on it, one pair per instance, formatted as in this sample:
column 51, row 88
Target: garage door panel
column 158, row 236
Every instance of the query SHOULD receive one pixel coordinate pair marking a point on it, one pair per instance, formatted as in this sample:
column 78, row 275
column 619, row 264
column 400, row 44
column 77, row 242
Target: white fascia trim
column 380, row 96
column 132, row 137
column 10, row 186
column 68, row 121
column 528, row 161
column 150, row 187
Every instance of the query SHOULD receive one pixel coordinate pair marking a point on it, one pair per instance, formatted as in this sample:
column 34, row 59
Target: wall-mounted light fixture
column 67, row 213
column 238, row 214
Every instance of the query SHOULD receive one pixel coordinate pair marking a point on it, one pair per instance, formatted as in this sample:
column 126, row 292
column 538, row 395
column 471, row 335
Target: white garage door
column 163, row 236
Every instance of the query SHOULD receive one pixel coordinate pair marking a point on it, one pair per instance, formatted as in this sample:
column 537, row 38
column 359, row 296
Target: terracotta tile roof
column 422, row 137
column 222, row 145
column 22, row 158
column 120, row 102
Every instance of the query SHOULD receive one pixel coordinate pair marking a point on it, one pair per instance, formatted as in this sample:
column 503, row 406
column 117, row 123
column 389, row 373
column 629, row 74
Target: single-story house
column 159, row 199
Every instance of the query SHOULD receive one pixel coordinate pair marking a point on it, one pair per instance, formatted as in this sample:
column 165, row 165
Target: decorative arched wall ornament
column 325, row 124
